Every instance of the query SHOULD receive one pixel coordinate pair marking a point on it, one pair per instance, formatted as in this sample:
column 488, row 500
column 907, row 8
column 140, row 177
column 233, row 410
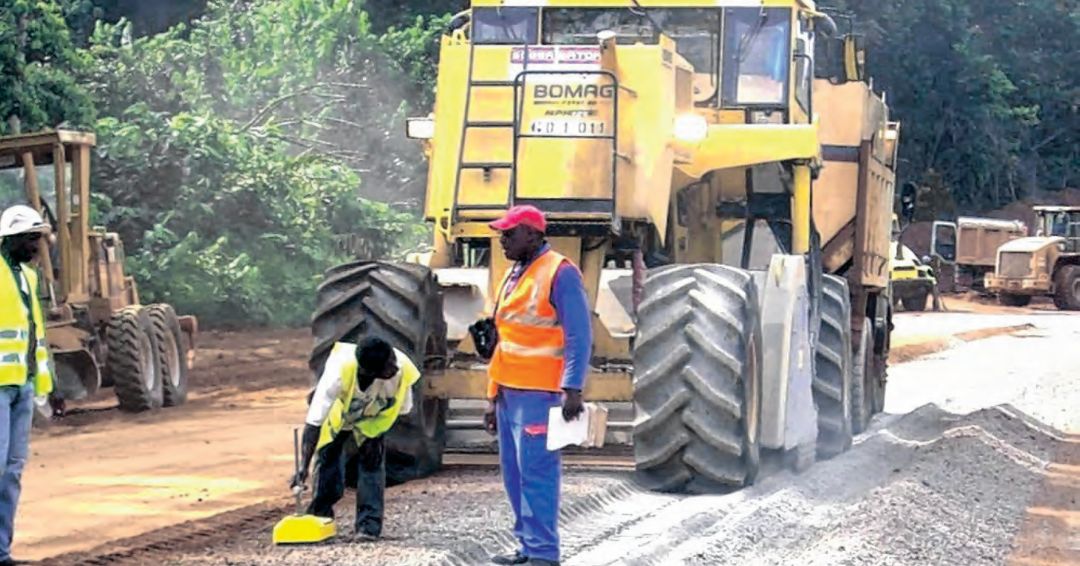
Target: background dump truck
column 726, row 192
column 1045, row 264
column 97, row 331
column 968, row 247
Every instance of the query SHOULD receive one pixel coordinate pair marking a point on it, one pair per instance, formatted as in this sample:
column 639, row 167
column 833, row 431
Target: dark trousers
column 370, row 482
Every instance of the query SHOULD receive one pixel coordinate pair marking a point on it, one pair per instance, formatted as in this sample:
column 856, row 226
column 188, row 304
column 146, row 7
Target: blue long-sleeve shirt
column 572, row 309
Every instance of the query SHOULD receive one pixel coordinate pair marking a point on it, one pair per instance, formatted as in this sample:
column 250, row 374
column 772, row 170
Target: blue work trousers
column 16, row 415
column 531, row 473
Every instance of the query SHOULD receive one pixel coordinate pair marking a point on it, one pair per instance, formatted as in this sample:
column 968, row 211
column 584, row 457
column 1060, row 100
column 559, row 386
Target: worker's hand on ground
column 57, row 405
column 572, row 405
column 489, row 419
column 298, row 479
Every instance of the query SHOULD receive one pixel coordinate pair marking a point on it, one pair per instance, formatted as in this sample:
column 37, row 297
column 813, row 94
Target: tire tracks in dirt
column 168, row 542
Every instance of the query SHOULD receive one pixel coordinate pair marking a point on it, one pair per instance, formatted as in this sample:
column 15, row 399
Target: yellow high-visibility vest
column 15, row 331
column 368, row 427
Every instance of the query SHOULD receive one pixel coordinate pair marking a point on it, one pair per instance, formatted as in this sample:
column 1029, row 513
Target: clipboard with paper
column 586, row 430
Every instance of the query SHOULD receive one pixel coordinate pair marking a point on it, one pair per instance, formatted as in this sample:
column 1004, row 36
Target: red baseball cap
column 525, row 214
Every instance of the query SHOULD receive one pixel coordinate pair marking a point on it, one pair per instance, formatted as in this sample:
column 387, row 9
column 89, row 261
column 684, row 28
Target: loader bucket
column 77, row 374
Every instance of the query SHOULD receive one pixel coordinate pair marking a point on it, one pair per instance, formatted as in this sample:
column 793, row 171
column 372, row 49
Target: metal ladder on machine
column 468, row 124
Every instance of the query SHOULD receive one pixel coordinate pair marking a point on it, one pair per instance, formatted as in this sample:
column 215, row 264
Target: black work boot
column 510, row 559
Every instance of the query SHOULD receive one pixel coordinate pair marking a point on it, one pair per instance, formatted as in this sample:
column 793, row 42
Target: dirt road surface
column 100, row 477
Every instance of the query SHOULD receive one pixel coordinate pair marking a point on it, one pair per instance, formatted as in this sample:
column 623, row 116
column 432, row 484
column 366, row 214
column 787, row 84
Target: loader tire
column 862, row 370
column 697, row 379
column 1011, row 300
column 402, row 304
column 132, row 360
column 832, row 369
column 1067, row 288
column 171, row 354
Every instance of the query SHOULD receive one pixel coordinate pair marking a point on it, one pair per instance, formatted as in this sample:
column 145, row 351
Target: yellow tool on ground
column 301, row 528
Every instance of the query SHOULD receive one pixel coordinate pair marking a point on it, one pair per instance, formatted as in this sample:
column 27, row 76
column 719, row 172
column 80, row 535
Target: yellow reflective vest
column 15, row 331
column 368, row 427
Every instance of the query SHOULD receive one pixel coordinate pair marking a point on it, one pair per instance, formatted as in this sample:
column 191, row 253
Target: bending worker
column 362, row 390
column 544, row 342
column 24, row 361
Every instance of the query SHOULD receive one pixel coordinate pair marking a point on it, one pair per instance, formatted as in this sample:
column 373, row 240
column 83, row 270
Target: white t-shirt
column 365, row 402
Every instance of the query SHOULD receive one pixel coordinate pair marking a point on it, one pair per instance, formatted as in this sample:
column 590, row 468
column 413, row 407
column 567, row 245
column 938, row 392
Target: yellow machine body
column 727, row 199
column 628, row 141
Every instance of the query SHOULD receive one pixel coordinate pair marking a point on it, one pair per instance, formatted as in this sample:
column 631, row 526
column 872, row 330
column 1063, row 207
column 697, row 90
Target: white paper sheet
column 561, row 433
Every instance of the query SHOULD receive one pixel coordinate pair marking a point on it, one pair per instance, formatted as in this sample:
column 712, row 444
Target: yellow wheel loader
column 97, row 331
column 911, row 280
column 1045, row 264
column 726, row 192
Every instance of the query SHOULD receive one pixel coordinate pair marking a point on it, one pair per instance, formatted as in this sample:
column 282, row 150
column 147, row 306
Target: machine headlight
column 691, row 128
column 419, row 128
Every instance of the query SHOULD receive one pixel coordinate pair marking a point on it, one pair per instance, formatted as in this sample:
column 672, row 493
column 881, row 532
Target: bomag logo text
column 572, row 91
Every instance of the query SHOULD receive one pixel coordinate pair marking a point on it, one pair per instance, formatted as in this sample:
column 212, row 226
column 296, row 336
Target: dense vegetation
column 988, row 93
column 237, row 138
column 234, row 149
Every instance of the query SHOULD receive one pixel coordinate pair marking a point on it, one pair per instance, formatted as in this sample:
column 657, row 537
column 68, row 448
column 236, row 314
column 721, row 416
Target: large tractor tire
column 1011, row 300
column 171, row 351
column 400, row 303
column 132, row 360
column 697, row 379
column 1067, row 288
column 832, row 369
column 862, row 371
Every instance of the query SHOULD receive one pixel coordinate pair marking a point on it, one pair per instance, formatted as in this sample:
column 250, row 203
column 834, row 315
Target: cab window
column 756, row 56
column 505, row 26
column 695, row 32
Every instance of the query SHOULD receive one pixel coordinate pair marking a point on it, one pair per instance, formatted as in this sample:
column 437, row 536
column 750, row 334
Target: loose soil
column 228, row 447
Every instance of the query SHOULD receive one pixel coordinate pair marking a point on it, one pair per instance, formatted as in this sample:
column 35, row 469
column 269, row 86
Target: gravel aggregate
column 944, row 479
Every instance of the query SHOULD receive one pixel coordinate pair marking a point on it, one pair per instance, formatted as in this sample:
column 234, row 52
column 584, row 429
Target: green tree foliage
column 234, row 134
column 307, row 72
column 386, row 15
column 227, row 227
column 987, row 93
column 37, row 59
column 231, row 153
column 147, row 17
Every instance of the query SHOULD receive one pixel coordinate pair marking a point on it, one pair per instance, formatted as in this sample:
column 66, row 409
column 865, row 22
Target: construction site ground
column 976, row 461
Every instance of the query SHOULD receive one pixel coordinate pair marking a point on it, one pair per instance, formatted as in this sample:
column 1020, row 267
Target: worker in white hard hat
column 24, row 361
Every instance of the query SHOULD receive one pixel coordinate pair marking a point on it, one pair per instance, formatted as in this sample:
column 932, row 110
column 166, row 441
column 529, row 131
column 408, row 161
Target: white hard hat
column 21, row 219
